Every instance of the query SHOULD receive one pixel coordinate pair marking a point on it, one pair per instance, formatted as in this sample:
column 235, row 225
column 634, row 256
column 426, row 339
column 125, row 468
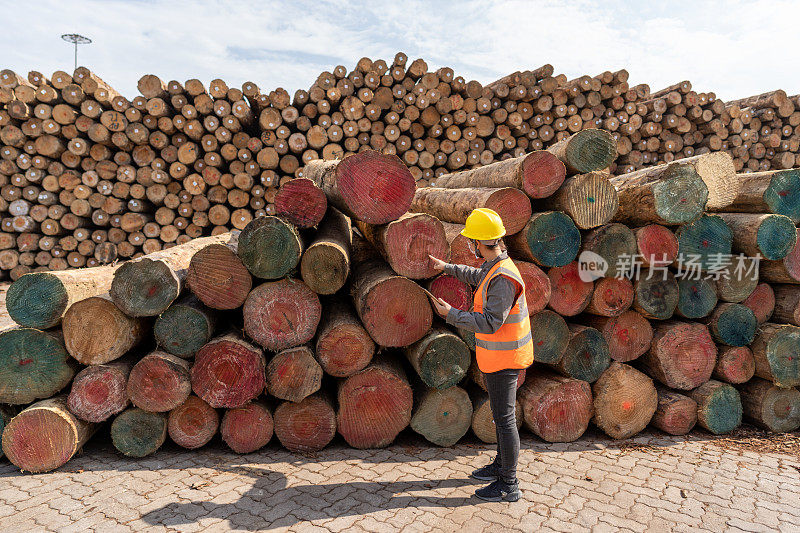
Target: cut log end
column 587, row 355
column 37, row 300
column 293, row 374
column 228, row 372
column 457, row 293
column 193, row 423
column 774, row 408
column 343, row 345
column 682, row 355
column 440, row 358
column 376, row 188
column 96, row 331
column 138, row 433
column 247, row 428
column 183, row 329
column 99, row 392
column 735, row 364
column 555, row 408
column 159, row 382
column 483, row 422
column 409, row 241
column 542, row 174
column 550, row 239
column 305, row 426
column 443, row 416
column 624, row 401
column 281, row 314
column 676, row 414
column 33, row 365
column 269, row 247
column 719, row 407
column 550, row 336
column 301, row 202
column 218, row 278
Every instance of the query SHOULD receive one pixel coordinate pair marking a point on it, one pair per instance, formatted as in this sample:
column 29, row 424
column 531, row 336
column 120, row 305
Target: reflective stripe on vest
column 511, row 346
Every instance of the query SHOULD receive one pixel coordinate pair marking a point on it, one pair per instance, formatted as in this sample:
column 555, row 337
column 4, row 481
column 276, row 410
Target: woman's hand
column 438, row 264
column 441, row 307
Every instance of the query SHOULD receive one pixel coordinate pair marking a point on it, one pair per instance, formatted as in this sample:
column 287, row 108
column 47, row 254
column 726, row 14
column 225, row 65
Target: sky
column 733, row 48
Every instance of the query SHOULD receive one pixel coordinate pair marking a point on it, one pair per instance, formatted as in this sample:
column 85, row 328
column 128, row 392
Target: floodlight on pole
column 76, row 39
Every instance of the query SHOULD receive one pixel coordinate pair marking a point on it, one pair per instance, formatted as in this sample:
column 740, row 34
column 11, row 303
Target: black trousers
column 502, row 388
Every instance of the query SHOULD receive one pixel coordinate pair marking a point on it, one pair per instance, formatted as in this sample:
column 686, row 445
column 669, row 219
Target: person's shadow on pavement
column 270, row 504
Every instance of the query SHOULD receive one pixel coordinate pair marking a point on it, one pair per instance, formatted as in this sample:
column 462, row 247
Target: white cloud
column 734, row 48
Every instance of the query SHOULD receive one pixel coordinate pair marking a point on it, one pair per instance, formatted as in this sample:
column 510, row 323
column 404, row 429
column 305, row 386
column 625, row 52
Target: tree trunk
column 40, row 299
column 719, row 407
column 704, row 241
column 771, row 191
column 676, row 414
column 367, row 186
column 624, row 401
column 732, row 324
column 773, row 408
column 657, row 245
column 770, row 236
column 185, row 327
column 555, row 408
column 45, row 436
column 656, row 297
column 293, row 374
column 681, row 356
column 697, row 298
column 586, row 151
column 281, row 314
column 138, row 433
column 33, row 365
column 537, row 286
column 100, row 391
column 218, row 277
column 306, row 426
column 247, row 428
column 440, row 358
column 159, row 382
column 776, row 350
column 761, row 302
column 301, row 202
column 442, row 416
column 96, row 331
column 325, row 265
column 615, row 243
column 589, row 199
column 343, row 346
column 374, row 405
column 269, row 247
column 228, row 372
column 455, row 205
column 460, row 253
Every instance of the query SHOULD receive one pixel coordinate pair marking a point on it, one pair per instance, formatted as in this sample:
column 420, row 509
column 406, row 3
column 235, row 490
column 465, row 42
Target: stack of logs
column 88, row 176
column 315, row 322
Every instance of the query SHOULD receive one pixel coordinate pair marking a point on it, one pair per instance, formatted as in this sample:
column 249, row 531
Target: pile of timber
column 89, row 177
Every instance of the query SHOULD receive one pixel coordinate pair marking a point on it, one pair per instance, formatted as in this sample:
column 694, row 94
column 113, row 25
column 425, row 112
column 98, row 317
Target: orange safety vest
column 511, row 346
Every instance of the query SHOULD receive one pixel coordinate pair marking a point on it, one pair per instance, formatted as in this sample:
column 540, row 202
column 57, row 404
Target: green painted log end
column 144, row 287
column 269, row 247
column 696, row 297
column 182, row 330
column 705, row 241
column 723, row 411
column 590, row 150
column 138, row 433
column 783, row 194
column 736, row 326
column 445, row 362
column 554, row 239
column 680, row 196
column 550, row 336
column 776, row 237
column 37, row 300
column 33, row 365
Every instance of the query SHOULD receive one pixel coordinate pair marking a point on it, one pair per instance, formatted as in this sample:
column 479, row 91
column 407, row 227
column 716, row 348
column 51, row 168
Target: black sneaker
column 500, row 491
column 490, row 472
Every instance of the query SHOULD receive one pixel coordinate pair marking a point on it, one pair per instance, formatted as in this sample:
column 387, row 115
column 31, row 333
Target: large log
column 697, row 297
column 442, row 416
column 138, row 433
column 719, row 407
column 770, row 236
column 374, row 405
column 735, row 365
column 587, row 355
column 732, row 324
column 393, row 309
column 787, row 304
column 676, row 414
column 786, row 270
column 455, row 205
column 301, row 202
column 306, row 426
column 33, row 365
column 628, row 335
column 343, row 346
column 281, row 314
column 228, row 372
column 761, row 301
column 657, row 245
column 704, row 241
column 148, row 285
column 325, row 265
column 548, row 239
column 773, row 408
column 270, row 247
column 440, row 358
column 218, row 277
column 589, row 199
column 184, row 327
column 193, row 423
column 407, row 243
column 615, row 243
column 457, row 293
column 100, row 391
column 482, row 420
column 45, row 436
column 776, row 350
column 771, row 191
column 40, row 299
column 159, row 382
column 586, row 151
column 624, row 401
column 550, row 335
column 367, row 186
column 665, row 194
column 537, row 286
column 539, row 174
column 656, row 294
column 293, row 374
column 96, row 331
column 570, row 294
column 247, row 428
column 682, row 354
column 555, row 408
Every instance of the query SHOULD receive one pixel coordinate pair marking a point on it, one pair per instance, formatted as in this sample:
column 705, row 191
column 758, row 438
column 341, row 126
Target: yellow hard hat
column 483, row 225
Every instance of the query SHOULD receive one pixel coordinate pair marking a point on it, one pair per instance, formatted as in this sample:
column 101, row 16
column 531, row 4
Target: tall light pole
column 76, row 39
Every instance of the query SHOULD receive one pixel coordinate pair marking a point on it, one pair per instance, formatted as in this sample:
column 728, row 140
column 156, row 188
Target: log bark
column 555, row 408
column 374, row 405
column 770, row 236
column 100, row 391
column 719, row 407
column 676, row 413
column 281, row 314
column 228, row 372
column 247, row 428
column 773, row 408
column 455, row 205
column 40, row 299
column 681, row 356
column 325, row 265
column 771, row 191
column 193, row 423
column 539, row 174
column 138, row 433
column 45, row 436
column 367, row 186
column 306, row 426
column 96, row 331
column 293, row 374
column 624, row 401
column 442, row 416
column 33, row 365
column 440, row 358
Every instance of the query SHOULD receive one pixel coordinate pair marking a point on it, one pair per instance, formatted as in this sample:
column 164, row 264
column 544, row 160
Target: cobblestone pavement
column 650, row 483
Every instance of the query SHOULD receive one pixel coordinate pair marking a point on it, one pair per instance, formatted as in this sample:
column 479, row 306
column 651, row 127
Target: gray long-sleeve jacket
column 500, row 296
